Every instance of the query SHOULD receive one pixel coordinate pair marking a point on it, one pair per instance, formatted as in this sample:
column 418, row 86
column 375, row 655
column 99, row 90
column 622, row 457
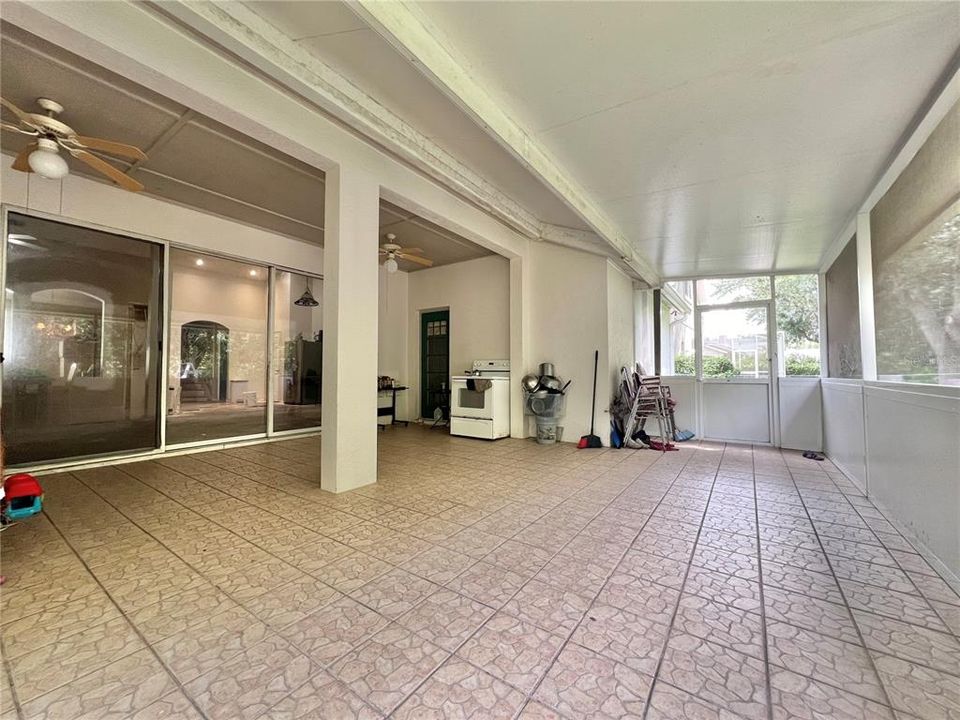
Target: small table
column 391, row 409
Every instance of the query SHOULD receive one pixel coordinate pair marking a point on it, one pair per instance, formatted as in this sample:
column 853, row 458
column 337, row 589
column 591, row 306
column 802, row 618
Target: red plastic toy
column 22, row 497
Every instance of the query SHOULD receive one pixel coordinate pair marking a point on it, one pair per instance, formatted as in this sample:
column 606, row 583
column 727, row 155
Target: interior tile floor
column 483, row 580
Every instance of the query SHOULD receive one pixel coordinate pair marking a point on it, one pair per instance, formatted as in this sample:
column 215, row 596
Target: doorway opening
column 204, row 362
column 434, row 362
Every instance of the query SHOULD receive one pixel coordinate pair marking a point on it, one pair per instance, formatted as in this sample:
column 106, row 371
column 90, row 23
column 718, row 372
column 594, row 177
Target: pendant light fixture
column 307, row 299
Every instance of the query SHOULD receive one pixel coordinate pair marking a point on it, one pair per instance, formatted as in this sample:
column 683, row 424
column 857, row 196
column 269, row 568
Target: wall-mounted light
column 198, row 262
column 253, row 273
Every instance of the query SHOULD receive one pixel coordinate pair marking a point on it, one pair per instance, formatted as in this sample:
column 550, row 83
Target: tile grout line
column 568, row 639
column 123, row 614
column 8, row 671
column 676, row 607
column 528, row 696
column 856, row 625
column 763, row 604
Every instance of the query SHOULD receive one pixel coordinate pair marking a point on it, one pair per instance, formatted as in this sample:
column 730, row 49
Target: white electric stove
column 481, row 413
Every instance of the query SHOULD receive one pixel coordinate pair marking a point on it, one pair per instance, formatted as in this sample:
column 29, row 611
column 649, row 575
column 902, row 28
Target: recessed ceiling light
column 198, row 262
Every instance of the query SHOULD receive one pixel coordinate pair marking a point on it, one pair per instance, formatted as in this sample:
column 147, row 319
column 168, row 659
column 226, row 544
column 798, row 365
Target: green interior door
column 434, row 361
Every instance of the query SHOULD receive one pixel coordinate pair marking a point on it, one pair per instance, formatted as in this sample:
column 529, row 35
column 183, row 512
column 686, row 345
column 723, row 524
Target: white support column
column 868, row 330
column 519, row 340
column 350, row 317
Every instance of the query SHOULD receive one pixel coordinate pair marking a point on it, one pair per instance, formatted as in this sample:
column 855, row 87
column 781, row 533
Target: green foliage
column 683, row 365
column 802, row 365
column 798, row 311
column 718, row 366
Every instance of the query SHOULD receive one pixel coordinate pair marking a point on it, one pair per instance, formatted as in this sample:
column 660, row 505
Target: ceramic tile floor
column 480, row 580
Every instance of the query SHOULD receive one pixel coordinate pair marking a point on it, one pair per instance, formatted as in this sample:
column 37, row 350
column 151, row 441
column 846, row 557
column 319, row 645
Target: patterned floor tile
column 720, row 624
column 175, row 705
column 394, row 593
column 323, row 697
column 249, row 684
column 549, row 608
column 810, row 613
column 649, row 601
column 351, row 571
column 670, row 703
column 623, row 636
column 292, row 602
column 439, row 564
column 389, row 666
column 796, row 697
column 459, row 690
column 209, row 643
column 653, row 568
column 728, row 589
column 176, row 613
column 334, row 630
column 55, row 623
column 53, row 665
column 120, row 689
column 717, row 674
column 446, row 618
column 937, row 649
column 516, row 652
column 805, row 582
column 823, row 658
column 487, row 583
column 583, row 684
column 919, row 690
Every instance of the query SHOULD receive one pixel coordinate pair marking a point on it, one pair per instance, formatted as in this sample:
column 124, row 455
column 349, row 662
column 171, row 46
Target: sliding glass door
column 217, row 366
column 297, row 351
column 81, row 340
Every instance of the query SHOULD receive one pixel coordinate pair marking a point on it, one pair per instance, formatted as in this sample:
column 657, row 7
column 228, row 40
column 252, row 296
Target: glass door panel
column 735, row 373
column 734, row 343
column 298, row 351
column 218, row 348
column 82, row 329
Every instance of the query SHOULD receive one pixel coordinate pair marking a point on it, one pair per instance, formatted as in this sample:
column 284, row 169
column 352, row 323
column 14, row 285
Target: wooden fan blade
column 415, row 259
column 101, row 166
column 109, row 146
column 21, row 115
column 20, row 162
column 415, row 251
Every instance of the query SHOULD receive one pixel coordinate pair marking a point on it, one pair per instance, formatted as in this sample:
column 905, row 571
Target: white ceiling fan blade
column 16, row 128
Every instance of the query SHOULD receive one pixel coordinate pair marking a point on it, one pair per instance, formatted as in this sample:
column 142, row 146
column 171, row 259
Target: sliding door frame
column 164, row 365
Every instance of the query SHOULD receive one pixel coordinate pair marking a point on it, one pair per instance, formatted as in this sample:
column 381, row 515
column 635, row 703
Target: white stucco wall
column 568, row 313
column 477, row 293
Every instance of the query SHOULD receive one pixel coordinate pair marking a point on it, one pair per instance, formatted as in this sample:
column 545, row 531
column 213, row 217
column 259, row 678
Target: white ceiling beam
column 409, row 31
column 247, row 35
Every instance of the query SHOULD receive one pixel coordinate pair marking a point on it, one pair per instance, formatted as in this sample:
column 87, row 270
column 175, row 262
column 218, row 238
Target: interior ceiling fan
column 43, row 157
column 390, row 252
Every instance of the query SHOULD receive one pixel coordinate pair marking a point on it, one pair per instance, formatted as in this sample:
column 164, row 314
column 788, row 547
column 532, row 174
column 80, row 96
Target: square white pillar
column 350, row 322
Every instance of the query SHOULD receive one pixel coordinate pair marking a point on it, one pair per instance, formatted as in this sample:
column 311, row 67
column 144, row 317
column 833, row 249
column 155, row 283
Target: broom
column 591, row 440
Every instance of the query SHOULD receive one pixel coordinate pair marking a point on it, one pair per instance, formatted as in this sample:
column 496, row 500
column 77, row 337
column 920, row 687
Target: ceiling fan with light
column 390, row 252
column 43, row 157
